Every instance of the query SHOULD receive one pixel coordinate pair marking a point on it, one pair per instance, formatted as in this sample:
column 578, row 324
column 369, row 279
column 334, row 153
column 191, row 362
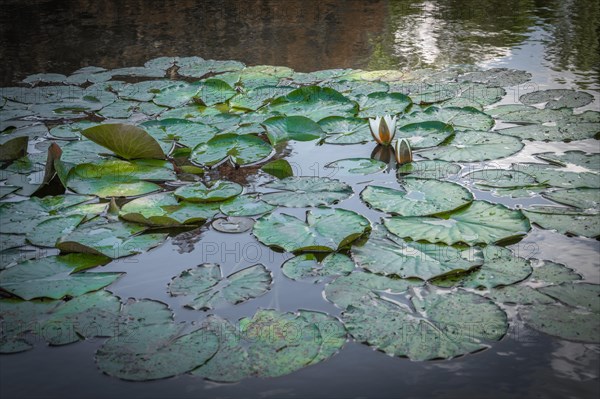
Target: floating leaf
column 302, row 192
column 379, row 104
column 583, row 198
column 517, row 113
column 432, row 328
column 241, row 150
column 47, row 232
column 56, row 277
column 324, row 230
column 467, row 118
column 354, row 89
column 214, row 91
column 315, row 103
column 258, row 97
column 127, row 141
column 562, row 322
column 279, row 168
column 177, row 95
column 200, row 68
column 357, row 166
column 565, row 220
column 553, row 273
column 245, row 205
column 13, row 149
column 19, row 319
column 505, row 182
column 233, row 224
column 472, row 146
column 218, row 190
column 387, row 254
column 187, row 133
column 481, row 222
column 557, row 98
column 500, row 77
column 71, row 130
column 559, row 177
column 425, row 134
column 428, row 170
column 209, row 288
column 342, row 130
column 307, row 266
column 164, row 209
column 115, row 240
column 299, row 128
column 591, row 162
column 417, row 197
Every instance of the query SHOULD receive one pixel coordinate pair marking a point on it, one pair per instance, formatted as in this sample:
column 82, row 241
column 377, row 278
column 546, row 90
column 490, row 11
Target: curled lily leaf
column 383, row 129
column 403, row 152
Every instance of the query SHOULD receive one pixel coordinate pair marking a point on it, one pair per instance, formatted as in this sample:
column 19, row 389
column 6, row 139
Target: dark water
column 557, row 42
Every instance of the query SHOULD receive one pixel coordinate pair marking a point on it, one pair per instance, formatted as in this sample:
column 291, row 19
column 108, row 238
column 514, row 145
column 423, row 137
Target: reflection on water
column 57, row 36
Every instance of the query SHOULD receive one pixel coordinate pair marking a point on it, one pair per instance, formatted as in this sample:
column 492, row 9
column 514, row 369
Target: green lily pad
column 56, row 277
column 14, row 148
column 300, row 192
column 279, row 168
column 210, row 289
column 505, row 182
column 425, row 134
column 379, row 104
column 578, row 295
column 299, row 128
column 517, row 113
column 417, row 197
column 498, row 77
column 342, row 130
column 354, row 89
column 324, row 230
column 582, row 198
column 308, row 267
column 432, row 328
column 553, row 273
column 115, row 240
column 473, row 146
column 241, row 150
column 481, row 222
column 387, row 254
column 428, row 170
column 214, row 91
column 467, row 118
column 127, row 141
column 354, row 288
column 332, row 331
column 559, row 177
column 258, row 97
column 218, row 190
column 314, row 102
column 232, row 224
column 177, row 95
column 156, row 351
column 591, row 162
column 19, row 320
column 562, row 322
column 187, row 133
column 71, row 130
column 200, row 68
column 6, row 190
column 500, row 267
column 565, row 220
column 245, row 205
column 357, row 166
column 164, row 209
column 50, row 230
column 557, row 98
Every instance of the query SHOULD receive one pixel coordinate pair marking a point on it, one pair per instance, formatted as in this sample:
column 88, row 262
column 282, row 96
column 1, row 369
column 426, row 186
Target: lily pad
column 557, row 98
column 582, row 198
column 565, row 220
column 56, row 277
column 432, row 328
column 210, row 289
column 562, row 322
column 425, row 134
column 200, row 68
column 314, row 102
column 499, row 77
column 417, row 197
column 164, row 209
column 300, row 192
column 355, row 287
column 387, row 254
column 299, row 128
column 505, row 182
column 218, row 190
column 381, row 103
column 233, row 224
column 13, row 149
column 127, row 141
column 342, row 130
column 481, row 222
column 72, row 130
column 214, row 91
column 279, row 168
column 240, row 150
column 325, row 230
column 308, row 267
column 357, row 166
column 245, row 205
column 466, row 118
column 559, row 177
column 258, row 97
column 111, row 239
column 473, row 146
column 591, row 162
column 428, row 170
column 177, row 95
column 517, row 113
column 187, row 133
column 50, row 230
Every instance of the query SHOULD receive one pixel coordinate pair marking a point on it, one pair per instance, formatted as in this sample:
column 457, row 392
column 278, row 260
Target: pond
column 472, row 271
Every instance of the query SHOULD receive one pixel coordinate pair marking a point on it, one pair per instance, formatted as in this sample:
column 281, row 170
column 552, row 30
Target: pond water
column 557, row 42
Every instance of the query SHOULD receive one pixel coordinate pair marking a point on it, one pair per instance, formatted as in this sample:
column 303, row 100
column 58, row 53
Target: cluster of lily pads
column 104, row 164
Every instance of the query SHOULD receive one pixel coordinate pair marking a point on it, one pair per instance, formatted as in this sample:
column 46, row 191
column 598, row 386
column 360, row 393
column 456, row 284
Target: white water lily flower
column 383, row 129
column 403, row 152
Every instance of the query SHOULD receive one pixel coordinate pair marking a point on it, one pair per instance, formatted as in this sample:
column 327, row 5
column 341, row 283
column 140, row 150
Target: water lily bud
column 403, row 152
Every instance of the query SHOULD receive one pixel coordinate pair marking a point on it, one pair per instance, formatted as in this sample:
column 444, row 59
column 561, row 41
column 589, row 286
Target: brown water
column 557, row 42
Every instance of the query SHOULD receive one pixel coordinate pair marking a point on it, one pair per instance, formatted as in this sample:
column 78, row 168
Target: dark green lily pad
column 387, row 254
column 14, row 148
column 56, row 277
column 300, row 192
column 218, row 190
column 425, row 134
column 417, row 197
column 379, row 104
column 299, row 128
column 428, row 170
column 245, row 205
column 240, row 150
column 473, row 146
column 279, row 168
column 164, row 209
column 480, row 222
column 127, row 141
column 324, row 230
column 50, row 230
column 557, row 98
column 432, row 328
column 314, row 102
column 308, row 267
column 210, row 289
column 357, row 166
column 342, row 130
